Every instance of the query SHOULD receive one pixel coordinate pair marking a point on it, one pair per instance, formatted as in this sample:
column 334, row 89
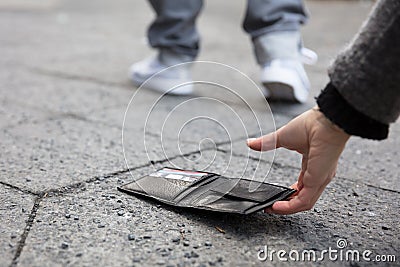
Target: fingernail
column 250, row 140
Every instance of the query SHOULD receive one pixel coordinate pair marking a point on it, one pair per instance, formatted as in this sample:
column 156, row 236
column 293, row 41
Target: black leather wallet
column 210, row 191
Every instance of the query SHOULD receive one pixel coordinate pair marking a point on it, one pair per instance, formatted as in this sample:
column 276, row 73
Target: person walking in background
column 361, row 99
column 274, row 28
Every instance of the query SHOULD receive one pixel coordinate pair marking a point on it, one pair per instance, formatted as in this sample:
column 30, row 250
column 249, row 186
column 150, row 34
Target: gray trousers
column 174, row 29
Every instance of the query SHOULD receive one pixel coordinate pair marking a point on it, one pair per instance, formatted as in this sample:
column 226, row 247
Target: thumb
column 264, row 143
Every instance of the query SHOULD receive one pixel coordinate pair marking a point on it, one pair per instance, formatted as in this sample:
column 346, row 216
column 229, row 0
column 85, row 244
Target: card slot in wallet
column 156, row 186
column 188, row 196
column 166, row 184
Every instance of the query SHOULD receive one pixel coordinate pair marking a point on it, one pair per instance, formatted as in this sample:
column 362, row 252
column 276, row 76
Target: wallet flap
column 240, row 188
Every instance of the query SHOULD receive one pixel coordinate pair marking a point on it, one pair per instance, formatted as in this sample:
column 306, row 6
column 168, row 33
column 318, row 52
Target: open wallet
column 210, row 191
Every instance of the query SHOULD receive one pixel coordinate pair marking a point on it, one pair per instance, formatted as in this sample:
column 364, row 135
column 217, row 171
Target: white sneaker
column 308, row 56
column 285, row 80
column 174, row 80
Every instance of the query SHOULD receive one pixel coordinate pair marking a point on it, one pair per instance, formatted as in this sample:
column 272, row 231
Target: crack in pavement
column 26, row 191
column 71, row 188
column 280, row 165
column 68, row 189
column 27, row 229
column 121, row 85
column 75, row 77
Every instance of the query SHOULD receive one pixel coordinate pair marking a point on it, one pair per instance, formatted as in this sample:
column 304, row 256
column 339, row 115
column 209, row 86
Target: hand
column 320, row 142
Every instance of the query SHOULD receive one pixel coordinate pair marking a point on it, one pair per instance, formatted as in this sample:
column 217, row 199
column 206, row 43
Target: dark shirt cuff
column 332, row 104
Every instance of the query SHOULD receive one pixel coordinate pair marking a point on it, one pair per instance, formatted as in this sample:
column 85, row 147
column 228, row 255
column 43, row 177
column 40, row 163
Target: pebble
column 370, row 214
column 76, row 218
column 350, row 213
column 165, row 254
column 136, row 259
column 384, row 227
column 147, row 237
column 64, row 245
column 208, row 244
column 101, row 225
column 121, row 213
column 317, row 210
column 186, row 243
column 131, row 237
column 67, row 215
column 191, row 254
column 176, row 239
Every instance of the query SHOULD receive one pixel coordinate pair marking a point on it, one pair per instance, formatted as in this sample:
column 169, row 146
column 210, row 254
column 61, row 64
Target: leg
column 265, row 16
column 274, row 28
column 173, row 33
column 174, row 30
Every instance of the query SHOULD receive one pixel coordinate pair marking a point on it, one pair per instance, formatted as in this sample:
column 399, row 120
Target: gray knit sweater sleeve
column 367, row 73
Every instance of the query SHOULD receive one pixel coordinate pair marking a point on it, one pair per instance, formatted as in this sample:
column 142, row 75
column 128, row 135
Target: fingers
column 310, row 185
column 264, row 143
column 293, row 136
column 306, row 197
column 304, row 200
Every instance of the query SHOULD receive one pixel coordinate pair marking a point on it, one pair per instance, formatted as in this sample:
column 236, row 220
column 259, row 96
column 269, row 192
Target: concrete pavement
column 64, row 94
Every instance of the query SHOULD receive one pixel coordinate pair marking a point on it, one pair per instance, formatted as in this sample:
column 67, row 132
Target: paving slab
column 63, row 97
column 95, row 41
column 190, row 118
column 98, row 223
column 79, row 42
column 370, row 162
column 63, row 151
column 15, row 208
column 373, row 162
column 12, row 114
column 56, row 96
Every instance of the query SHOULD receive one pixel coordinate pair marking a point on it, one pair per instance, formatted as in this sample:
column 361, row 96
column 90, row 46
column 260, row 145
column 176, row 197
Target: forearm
column 367, row 73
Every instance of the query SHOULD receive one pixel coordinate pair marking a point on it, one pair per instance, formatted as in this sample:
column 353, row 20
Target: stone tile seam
column 76, row 77
column 72, row 187
column 88, row 79
column 25, row 191
column 29, row 224
column 59, row 192
column 279, row 165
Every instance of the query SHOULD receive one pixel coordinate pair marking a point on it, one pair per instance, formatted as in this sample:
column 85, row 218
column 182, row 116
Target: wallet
column 204, row 190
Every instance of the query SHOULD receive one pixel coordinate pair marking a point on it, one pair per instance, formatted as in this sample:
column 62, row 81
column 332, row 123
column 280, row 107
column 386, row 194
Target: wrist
column 338, row 110
column 329, row 125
